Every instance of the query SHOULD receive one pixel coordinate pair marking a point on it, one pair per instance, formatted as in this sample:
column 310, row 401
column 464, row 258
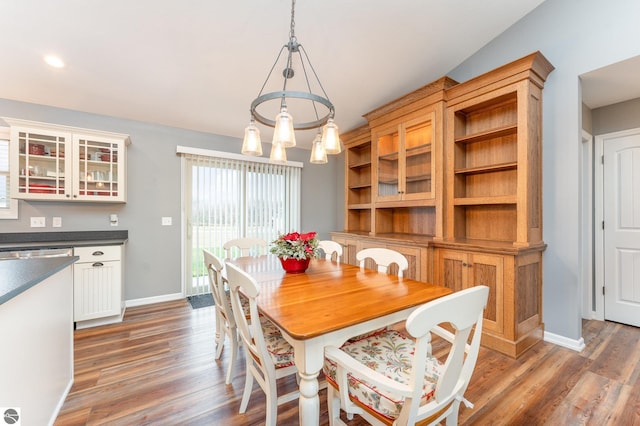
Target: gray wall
column 153, row 259
column 617, row 117
column 576, row 37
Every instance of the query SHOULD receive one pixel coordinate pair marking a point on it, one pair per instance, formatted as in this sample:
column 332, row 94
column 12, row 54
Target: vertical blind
column 227, row 198
column 8, row 206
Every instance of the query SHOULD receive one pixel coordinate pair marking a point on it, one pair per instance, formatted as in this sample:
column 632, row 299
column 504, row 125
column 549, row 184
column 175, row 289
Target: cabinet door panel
column 99, row 168
column 40, row 169
column 388, row 165
column 418, row 166
column 488, row 270
column 453, row 270
column 96, row 290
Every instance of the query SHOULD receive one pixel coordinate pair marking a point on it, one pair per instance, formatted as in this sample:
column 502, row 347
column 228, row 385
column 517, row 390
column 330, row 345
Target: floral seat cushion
column 280, row 350
column 244, row 302
column 388, row 352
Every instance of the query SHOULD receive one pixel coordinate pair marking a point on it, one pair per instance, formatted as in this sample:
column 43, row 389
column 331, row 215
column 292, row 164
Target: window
column 225, row 197
column 8, row 206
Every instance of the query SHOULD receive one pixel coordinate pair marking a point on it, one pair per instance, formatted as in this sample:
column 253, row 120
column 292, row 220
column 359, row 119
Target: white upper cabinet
column 61, row 163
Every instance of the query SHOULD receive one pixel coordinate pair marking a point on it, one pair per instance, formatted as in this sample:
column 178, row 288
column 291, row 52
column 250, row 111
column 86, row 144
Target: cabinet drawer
column 98, row 254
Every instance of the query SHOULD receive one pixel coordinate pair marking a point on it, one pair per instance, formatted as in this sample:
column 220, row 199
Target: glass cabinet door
column 99, row 173
column 418, row 160
column 43, row 167
column 405, row 161
column 388, row 165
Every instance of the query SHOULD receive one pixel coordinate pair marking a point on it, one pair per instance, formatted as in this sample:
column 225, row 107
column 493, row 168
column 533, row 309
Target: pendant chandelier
column 305, row 105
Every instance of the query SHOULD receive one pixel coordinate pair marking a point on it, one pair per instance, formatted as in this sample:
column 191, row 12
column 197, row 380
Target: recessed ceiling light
column 54, row 61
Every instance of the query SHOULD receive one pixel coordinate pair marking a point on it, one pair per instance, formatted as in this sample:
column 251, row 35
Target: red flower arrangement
column 296, row 246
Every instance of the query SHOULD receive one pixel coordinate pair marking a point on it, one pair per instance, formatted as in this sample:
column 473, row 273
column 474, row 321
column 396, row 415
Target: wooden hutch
column 450, row 175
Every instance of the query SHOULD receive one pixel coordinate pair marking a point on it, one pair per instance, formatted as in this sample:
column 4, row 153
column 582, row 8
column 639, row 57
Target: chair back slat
column 215, row 269
column 331, row 248
column 245, row 247
column 383, row 257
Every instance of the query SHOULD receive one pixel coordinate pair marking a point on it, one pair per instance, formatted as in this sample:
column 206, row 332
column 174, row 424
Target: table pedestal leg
column 309, row 402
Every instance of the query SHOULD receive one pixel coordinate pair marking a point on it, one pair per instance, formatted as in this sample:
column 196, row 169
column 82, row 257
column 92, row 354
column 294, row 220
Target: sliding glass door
column 226, row 198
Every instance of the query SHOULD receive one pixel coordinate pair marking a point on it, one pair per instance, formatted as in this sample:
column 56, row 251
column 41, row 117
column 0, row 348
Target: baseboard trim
column 154, row 299
column 576, row 345
column 63, row 397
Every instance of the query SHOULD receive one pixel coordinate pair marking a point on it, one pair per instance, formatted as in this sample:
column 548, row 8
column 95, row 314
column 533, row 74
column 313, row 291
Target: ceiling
column 611, row 84
column 199, row 64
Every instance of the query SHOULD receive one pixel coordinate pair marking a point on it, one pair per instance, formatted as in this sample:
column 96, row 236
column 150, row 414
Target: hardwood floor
column 157, row 368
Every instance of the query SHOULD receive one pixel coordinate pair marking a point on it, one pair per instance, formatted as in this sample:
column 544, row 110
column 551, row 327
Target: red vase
column 294, row 266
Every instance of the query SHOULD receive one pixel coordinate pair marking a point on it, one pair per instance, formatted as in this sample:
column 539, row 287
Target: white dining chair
column 330, row 247
column 268, row 356
column 245, row 246
column 383, row 257
column 225, row 321
column 401, row 382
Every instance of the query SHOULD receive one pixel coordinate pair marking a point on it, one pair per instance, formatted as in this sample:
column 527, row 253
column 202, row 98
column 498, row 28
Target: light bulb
column 283, row 132
column 318, row 153
column 278, row 153
column 331, row 138
column 252, row 145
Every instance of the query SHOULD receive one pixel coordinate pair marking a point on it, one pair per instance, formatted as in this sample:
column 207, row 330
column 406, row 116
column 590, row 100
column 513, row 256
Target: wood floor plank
column 620, row 359
column 595, row 400
column 157, row 367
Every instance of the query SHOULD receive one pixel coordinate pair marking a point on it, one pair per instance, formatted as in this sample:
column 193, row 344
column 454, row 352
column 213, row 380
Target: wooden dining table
column 326, row 305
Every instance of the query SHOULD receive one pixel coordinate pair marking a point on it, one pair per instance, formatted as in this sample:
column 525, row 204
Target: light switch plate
column 56, row 222
column 166, row 221
column 38, row 222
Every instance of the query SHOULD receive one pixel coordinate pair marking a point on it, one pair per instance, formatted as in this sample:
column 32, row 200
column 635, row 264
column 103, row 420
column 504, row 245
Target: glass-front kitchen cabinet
column 405, row 160
column 61, row 163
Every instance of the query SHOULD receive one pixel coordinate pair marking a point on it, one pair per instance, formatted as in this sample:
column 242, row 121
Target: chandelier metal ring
column 292, row 94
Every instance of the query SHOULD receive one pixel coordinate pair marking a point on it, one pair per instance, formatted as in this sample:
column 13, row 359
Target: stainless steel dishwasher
column 29, row 253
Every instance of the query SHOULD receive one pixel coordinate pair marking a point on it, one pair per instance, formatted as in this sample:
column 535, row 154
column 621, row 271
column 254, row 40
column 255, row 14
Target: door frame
column 600, row 140
column 587, row 171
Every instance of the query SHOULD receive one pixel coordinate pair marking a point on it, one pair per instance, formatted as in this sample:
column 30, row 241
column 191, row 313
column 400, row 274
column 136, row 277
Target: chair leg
column 333, row 405
column 452, row 418
column 272, row 402
column 233, row 340
column 219, row 335
column 248, row 385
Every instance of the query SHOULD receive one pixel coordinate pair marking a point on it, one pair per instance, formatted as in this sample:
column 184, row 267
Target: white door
column 622, row 229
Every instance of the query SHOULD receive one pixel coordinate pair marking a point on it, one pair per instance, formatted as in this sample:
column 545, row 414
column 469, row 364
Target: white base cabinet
column 36, row 331
column 97, row 285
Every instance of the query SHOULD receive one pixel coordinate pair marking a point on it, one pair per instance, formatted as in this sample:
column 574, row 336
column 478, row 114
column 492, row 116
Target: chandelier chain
column 292, row 33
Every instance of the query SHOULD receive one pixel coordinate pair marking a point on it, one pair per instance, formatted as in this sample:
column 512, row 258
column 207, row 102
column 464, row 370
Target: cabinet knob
column 68, row 196
column 98, row 264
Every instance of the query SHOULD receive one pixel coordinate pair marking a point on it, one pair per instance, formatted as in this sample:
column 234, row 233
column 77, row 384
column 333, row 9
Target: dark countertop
column 19, row 275
column 27, row 240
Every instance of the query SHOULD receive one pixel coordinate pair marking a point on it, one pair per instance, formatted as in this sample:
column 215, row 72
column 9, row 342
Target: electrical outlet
column 38, row 222
column 166, row 221
column 56, row 222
